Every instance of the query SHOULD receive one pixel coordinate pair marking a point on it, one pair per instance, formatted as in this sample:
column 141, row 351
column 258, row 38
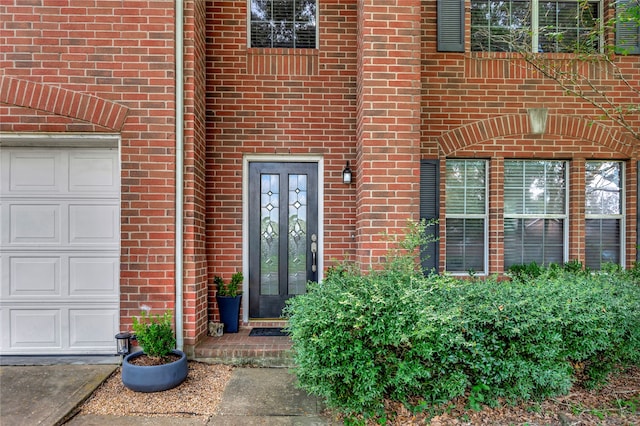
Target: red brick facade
column 376, row 93
column 108, row 67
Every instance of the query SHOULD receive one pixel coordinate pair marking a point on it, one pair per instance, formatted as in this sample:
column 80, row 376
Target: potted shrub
column 159, row 366
column 228, row 297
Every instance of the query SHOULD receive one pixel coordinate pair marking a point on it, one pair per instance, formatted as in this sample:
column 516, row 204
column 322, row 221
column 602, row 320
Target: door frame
column 319, row 160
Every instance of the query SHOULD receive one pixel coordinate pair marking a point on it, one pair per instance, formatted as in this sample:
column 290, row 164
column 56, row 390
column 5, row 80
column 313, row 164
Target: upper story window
column 283, row 23
column 535, row 25
column 550, row 26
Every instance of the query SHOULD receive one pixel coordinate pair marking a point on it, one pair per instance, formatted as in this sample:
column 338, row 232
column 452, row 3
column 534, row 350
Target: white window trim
column 296, row 48
column 565, row 217
column 535, row 25
column 536, row 29
column 623, row 209
column 485, row 216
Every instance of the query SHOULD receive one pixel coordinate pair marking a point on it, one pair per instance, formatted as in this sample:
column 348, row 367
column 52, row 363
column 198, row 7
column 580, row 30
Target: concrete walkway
column 50, row 395
column 266, row 396
column 46, row 394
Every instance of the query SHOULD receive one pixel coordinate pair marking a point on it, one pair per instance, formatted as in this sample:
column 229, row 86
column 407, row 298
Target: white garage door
column 59, row 250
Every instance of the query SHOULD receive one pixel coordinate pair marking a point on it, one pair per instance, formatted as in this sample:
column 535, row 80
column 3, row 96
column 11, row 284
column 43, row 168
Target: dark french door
column 283, row 234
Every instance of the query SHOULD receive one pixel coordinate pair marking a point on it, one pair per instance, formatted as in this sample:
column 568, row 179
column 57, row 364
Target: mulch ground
column 617, row 403
column 147, row 361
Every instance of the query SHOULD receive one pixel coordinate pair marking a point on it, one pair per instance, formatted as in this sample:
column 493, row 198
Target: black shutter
column 429, row 209
column 627, row 32
column 450, row 25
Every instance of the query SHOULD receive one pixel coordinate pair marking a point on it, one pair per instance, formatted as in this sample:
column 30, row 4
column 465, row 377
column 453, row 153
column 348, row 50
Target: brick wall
column 378, row 90
column 109, row 67
column 78, row 66
column 194, row 246
column 278, row 102
column 475, row 105
column 388, row 132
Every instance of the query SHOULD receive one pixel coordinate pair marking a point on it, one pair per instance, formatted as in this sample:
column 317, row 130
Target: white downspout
column 179, row 173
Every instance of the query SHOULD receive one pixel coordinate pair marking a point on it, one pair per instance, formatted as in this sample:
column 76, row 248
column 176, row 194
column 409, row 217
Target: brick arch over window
column 511, row 125
column 59, row 101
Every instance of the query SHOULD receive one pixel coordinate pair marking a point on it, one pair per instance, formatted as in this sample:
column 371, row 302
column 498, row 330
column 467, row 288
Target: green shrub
column 525, row 271
column 233, row 288
column 154, row 334
column 633, row 273
column 361, row 338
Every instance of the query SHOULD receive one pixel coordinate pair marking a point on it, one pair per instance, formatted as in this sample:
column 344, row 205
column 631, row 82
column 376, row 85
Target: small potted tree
column 228, row 297
column 159, row 366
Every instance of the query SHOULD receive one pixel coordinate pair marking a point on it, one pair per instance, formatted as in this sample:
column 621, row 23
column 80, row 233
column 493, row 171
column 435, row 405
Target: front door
column 283, row 234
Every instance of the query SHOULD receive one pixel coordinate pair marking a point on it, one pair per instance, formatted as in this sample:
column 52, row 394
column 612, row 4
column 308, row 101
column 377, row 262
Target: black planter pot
column 229, row 307
column 154, row 378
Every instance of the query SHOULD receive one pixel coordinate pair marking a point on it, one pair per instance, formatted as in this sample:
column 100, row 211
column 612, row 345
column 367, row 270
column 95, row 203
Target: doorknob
column 314, row 252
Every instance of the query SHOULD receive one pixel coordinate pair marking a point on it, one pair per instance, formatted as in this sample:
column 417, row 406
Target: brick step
column 241, row 349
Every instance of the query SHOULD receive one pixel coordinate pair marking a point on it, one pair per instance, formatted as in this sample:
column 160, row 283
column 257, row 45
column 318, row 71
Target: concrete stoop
column 241, row 349
column 240, row 358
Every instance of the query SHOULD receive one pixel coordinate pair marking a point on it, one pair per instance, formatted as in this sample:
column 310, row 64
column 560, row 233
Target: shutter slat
column 451, row 25
column 429, row 209
column 627, row 33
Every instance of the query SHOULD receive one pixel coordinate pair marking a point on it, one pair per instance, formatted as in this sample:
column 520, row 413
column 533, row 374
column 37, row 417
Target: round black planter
column 154, row 378
column 229, row 307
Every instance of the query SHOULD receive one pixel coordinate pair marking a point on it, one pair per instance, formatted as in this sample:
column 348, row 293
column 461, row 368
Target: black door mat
column 268, row 332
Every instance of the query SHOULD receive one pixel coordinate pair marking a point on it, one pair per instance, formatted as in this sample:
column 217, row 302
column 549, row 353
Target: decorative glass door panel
column 283, row 249
column 269, row 233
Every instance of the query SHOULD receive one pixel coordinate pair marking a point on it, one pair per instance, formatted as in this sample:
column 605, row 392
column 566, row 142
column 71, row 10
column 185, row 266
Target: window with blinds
column 535, row 212
column 603, row 213
column 541, row 26
column 283, row 23
column 467, row 210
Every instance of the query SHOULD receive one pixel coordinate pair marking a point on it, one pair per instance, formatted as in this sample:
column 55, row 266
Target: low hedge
column 358, row 339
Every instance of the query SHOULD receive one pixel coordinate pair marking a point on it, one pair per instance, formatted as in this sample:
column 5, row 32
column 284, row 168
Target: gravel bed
column 197, row 396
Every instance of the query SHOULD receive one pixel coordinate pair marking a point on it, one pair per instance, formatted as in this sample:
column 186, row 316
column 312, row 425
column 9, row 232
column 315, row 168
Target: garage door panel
column 92, row 328
column 93, row 172
column 39, row 171
column 35, row 328
column 93, row 224
column 62, row 275
column 34, row 223
column 93, row 276
column 34, row 276
column 66, row 222
column 59, row 250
